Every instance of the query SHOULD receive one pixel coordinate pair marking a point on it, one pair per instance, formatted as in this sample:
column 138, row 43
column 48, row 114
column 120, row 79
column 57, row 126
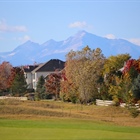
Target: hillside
column 31, row 52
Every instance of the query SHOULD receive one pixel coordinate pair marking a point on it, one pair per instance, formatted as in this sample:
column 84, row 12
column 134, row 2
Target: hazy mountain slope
column 31, row 52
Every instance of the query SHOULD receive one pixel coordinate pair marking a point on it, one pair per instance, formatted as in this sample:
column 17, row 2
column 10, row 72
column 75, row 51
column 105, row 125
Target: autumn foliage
column 87, row 75
column 82, row 71
column 53, row 84
column 5, row 73
column 12, row 79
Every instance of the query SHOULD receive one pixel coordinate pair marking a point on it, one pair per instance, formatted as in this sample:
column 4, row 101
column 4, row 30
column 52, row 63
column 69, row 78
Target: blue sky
column 41, row 20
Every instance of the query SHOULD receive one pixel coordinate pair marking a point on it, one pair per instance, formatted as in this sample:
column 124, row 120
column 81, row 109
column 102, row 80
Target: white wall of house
column 29, row 81
column 36, row 76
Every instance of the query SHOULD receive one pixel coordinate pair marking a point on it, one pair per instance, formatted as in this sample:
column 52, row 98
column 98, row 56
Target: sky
column 42, row 20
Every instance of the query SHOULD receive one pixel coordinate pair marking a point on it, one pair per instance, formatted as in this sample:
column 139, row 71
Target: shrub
column 134, row 112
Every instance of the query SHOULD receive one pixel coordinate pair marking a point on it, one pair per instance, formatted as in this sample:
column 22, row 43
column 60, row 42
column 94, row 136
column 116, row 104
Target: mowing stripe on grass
column 67, row 129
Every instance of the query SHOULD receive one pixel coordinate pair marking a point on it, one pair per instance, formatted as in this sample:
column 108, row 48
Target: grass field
column 51, row 120
column 65, row 129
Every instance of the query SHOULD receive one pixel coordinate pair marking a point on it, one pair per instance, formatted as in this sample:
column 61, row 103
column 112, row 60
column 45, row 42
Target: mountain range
column 31, row 52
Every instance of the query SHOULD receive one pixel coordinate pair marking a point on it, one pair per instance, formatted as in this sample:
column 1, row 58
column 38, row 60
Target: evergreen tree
column 19, row 85
column 40, row 89
column 136, row 88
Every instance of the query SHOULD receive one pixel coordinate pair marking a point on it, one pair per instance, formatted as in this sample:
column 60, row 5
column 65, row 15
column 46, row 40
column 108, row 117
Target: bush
column 134, row 112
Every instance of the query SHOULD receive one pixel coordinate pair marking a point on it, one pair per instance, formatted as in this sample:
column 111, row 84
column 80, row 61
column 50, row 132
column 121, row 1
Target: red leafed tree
column 128, row 65
column 5, row 72
column 64, row 83
column 132, row 68
column 53, row 84
column 137, row 65
column 68, row 89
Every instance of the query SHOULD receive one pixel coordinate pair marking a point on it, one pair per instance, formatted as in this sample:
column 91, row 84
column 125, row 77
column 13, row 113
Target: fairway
column 64, row 129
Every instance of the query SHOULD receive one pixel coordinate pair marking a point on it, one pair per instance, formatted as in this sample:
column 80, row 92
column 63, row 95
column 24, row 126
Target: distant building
column 32, row 73
column 28, row 75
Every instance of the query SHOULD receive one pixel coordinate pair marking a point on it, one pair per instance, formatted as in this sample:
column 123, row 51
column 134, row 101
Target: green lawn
column 67, row 129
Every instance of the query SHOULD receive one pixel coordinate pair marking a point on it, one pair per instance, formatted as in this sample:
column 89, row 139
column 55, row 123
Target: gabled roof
column 51, row 65
column 29, row 68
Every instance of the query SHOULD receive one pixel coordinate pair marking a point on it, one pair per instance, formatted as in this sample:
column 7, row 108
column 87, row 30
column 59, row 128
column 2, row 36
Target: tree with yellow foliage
column 83, row 69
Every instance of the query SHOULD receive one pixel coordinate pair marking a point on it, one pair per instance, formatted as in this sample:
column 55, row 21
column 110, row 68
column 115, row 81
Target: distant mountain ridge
column 31, row 52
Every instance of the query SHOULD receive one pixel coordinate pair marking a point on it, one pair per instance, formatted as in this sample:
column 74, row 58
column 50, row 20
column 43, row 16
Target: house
column 28, row 75
column 33, row 73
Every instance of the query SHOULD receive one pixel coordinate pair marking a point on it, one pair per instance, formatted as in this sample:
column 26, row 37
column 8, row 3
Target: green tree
column 122, row 91
column 40, row 88
column 19, row 85
column 136, row 88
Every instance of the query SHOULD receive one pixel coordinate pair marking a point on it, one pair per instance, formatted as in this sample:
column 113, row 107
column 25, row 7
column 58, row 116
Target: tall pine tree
column 19, row 85
column 40, row 89
column 136, row 88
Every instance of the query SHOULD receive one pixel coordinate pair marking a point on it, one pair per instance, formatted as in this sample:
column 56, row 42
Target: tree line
column 87, row 75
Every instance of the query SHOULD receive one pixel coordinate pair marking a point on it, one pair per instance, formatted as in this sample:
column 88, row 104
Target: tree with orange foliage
column 137, row 65
column 5, row 72
column 53, row 84
column 68, row 91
